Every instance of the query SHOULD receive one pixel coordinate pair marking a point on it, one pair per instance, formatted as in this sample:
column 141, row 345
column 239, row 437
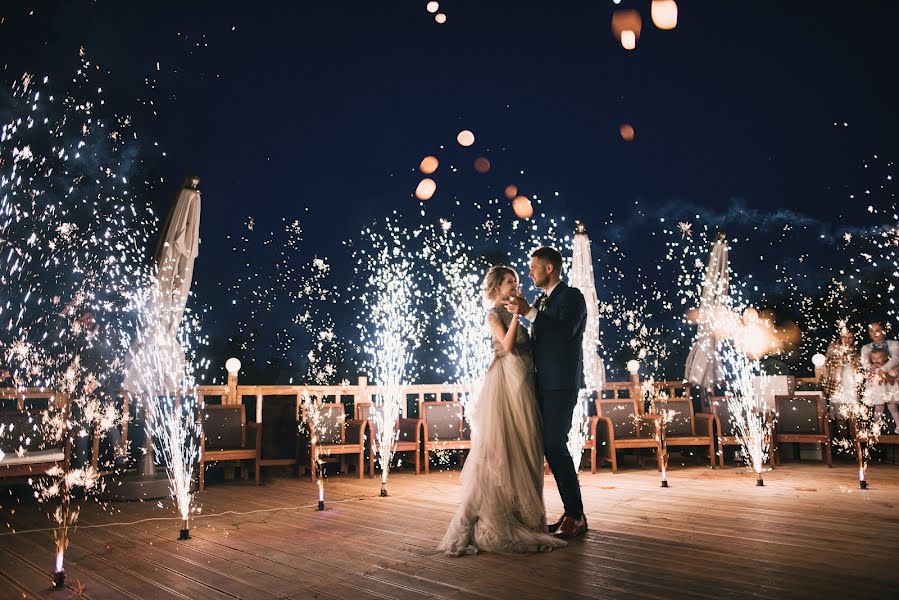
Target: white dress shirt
column 532, row 314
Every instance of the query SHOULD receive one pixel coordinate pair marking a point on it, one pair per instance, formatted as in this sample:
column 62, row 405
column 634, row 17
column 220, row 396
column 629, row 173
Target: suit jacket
column 556, row 337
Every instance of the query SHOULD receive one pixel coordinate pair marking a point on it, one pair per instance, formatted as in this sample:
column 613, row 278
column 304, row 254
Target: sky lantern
column 522, row 207
column 627, row 132
column 426, row 188
column 626, row 26
column 433, row 7
column 440, row 18
column 428, row 165
column 511, row 191
column 664, row 14
column 481, row 165
column 465, row 138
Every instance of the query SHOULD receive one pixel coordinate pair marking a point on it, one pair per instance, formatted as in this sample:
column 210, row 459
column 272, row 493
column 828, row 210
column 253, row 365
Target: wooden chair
column 444, row 427
column 409, row 435
column 224, row 437
column 801, row 419
column 687, row 428
column 23, row 443
column 726, row 428
column 615, row 427
column 336, row 435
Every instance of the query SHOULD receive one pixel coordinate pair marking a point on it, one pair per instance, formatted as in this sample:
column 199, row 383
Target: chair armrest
column 355, row 430
column 410, row 429
column 594, row 421
column 605, row 425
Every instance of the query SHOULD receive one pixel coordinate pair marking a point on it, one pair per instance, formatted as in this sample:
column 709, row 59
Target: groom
column 558, row 319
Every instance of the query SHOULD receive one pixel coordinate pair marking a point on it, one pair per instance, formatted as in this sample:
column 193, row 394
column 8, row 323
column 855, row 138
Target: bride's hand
column 512, row 307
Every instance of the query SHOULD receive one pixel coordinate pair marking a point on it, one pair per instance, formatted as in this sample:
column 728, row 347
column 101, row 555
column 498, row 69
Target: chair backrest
column 721, row 409
column 682, row 423
column 21, row 430
column 621, row 413
column 443, row 421
column 331, row 422
column 224, row 426
column 367, row 411
column 799, row 414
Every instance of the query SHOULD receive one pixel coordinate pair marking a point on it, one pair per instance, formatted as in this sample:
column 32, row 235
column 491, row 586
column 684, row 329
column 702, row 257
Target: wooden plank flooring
column 809, row 533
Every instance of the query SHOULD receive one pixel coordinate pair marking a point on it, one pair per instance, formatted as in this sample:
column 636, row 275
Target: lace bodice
column 522, row 339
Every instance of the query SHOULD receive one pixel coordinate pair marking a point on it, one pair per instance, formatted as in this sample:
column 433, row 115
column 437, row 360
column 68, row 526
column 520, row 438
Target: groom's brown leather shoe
column 554, row 527
column 571, row 528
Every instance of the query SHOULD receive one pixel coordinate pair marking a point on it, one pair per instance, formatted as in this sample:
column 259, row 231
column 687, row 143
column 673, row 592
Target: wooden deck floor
column 713, row 534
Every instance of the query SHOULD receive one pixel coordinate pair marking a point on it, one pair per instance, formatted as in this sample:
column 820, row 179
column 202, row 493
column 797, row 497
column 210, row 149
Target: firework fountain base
column 321, row 505
column 760, row 482
column 184, row 534
column 664, row 483
column 383, row 489
column 59, row 579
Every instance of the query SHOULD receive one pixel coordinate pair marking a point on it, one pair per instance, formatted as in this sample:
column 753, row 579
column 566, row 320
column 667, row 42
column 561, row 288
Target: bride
column 502, row 482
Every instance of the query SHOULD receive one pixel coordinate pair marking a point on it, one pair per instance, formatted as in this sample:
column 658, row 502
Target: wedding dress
column 502, row 506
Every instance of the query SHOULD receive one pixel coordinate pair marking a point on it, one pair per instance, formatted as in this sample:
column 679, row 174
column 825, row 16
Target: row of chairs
column 619, row 424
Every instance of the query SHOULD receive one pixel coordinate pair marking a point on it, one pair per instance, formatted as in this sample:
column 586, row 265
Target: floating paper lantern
column 664, row 14
column 428, row 165
column 465, row 138
column 440, row 18
column 627, row 132
column 511, row 191
column 522, row 207
column 433, row 7
column 482, row 165
column 626, row 26
column 426, row 188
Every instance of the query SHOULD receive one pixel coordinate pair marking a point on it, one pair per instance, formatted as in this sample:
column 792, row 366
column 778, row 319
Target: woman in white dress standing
column 502, row 506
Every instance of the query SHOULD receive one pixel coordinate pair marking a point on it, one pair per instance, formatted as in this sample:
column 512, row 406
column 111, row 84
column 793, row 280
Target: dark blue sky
column 331, row 105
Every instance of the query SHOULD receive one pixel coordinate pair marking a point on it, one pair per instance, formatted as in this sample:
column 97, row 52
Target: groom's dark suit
column 556, row 336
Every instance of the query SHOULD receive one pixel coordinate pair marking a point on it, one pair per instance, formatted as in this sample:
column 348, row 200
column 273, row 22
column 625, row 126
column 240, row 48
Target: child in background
column 881, row 388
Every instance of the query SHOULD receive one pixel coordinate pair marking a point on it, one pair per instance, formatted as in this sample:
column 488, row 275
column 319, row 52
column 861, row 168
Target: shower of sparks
column 163, row 375
column 72, row 240
column 296, row 285
column 391, row 325
column 745, row 385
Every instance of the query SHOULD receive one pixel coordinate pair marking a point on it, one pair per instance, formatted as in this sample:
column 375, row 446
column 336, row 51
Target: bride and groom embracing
column 523, row 410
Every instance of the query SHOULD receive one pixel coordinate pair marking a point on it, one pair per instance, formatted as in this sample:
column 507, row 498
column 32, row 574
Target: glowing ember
column 426, row 188
column 465, row 138
column 428, row 165
column 482, row 165
column 627, row 132
column 522, row 207
column 664, row 14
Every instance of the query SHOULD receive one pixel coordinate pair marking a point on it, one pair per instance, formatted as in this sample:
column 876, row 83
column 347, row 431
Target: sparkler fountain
column 71, row 236
column 392, row 332
column 311, row 405
column 470, row 349
column 581, row 277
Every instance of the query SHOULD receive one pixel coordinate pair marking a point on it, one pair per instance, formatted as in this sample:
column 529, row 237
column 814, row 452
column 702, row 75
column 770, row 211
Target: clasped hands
column 517, row 305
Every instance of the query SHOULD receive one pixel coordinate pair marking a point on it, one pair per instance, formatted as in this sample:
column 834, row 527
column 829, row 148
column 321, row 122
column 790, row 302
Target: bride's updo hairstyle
column 494, row 279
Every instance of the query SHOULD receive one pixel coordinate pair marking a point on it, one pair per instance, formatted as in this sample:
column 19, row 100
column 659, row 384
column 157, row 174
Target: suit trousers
column 556, row 408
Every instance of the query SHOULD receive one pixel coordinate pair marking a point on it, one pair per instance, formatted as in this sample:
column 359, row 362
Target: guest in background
column 842, row 374
column 881, row 388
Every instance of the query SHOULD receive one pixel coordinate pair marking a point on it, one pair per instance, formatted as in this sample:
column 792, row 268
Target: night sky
column 322, row 110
